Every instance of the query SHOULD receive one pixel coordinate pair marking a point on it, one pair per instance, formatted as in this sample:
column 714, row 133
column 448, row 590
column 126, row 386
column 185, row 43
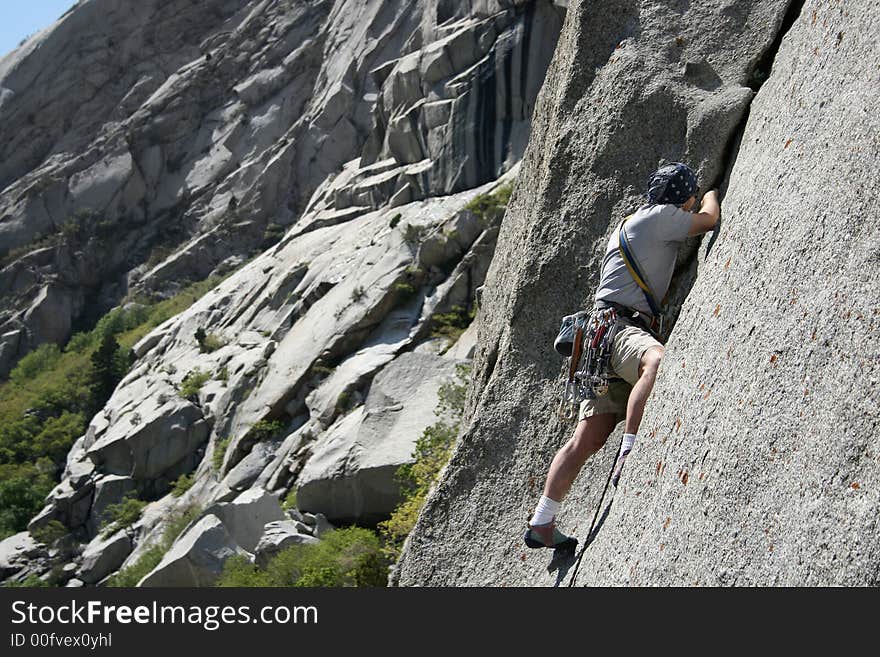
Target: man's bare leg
column 635, row 405
column 589, row 437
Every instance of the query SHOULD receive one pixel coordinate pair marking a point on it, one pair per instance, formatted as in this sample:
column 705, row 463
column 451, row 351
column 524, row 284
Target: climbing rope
column 587, row 541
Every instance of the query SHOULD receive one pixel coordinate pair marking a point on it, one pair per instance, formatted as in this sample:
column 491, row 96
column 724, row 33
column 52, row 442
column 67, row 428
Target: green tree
column 21, row 496
column 106, row 370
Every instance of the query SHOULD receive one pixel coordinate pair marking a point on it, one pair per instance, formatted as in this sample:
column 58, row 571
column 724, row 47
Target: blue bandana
column 673, row 183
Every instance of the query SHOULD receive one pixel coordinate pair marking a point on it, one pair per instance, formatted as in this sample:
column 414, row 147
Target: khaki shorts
column 630, row 344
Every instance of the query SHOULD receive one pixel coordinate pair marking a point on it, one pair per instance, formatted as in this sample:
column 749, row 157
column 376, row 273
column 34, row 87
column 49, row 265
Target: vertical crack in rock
column 691, row 255
column 758, row 75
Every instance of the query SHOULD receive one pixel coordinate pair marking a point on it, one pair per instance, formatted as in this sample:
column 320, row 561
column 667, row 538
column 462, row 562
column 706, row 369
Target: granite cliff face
column 758, row 458
column 360, row 131
column 145, row 147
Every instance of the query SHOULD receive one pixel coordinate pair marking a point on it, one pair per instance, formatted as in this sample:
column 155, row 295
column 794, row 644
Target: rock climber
column 653, row 235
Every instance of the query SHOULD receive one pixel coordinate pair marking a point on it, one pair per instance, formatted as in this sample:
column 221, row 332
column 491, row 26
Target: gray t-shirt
column 654, row 234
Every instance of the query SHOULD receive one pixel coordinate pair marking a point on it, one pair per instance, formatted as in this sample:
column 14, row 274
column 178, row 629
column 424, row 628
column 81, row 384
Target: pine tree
column 106, row 371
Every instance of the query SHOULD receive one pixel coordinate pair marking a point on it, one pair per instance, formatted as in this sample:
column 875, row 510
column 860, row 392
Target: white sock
column 629, row 439
column 545, row 511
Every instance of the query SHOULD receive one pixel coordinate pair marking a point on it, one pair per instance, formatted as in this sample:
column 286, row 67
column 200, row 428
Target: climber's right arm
column 705, row 220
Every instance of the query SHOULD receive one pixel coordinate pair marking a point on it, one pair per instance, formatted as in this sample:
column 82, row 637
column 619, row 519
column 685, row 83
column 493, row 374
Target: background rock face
column 199, row 131
column 757, row 462
column 197, row 558
column 364, row 131
column 352, row 474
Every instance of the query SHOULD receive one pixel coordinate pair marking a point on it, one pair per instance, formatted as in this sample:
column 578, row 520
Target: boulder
column 278, row 536
column 79, row 471
column 103, row 556
column 15, row 551
column 110, row 489
column 351, row 473
column 66, row 504
column 96, row 186
column 317, row 523
column 249, row 468
column 196, row 558
column 464, row 347
column 766, row 432
column 148, row 441
column 49, row 316
column 247, row 515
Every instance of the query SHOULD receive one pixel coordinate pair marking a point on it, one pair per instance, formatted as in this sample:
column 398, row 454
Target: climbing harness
column 589, row 539
column 629, row 259
column 586, row 339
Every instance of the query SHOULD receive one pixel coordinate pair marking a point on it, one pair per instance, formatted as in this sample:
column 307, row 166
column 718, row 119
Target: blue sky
column 21, row 18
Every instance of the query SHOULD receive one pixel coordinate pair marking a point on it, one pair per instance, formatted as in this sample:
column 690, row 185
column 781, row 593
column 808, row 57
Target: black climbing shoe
column 547, row 536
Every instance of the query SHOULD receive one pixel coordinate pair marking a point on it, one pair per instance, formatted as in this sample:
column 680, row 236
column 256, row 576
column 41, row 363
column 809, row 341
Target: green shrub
column 183, row 483
column 322, row 370
column 213, row 342
column 119, row 320
column 23, row 489
column 358, row 294
column 49, row 533
column 394, row 221
column 490, row 206
column 452, row 394
column 41, row 359
column 45, row 405
column 344, row 557
column 31, row 581
column 109, row 363
column 158, row 254
column 122, row 515
column 79, row 343
column 223, row 374
column 105, row 229
column 405, row 289
column 452, row 324
column 131, row 575
column 175, row 524
column 265, row 430
column 70, row 230
column 192, row 383
column 220, row 452
column 432, row 452
column 289, row 500
column 57, row 435
column 208, row 342
column 273, row 233
column 39, row 242
column 239, row 572
column 343, row 401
